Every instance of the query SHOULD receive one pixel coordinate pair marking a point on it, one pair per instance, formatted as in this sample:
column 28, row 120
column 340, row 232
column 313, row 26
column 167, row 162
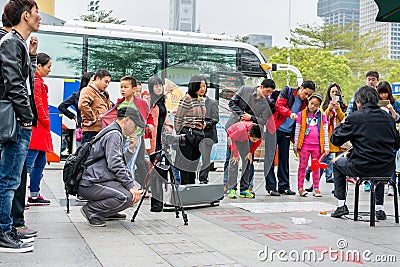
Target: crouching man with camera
column 106, row 183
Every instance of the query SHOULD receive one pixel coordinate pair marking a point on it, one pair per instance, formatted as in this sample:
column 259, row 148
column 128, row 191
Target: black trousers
column 283, row 142
column 205, row 149
column 343, row 168
column 141, row 166
column 187, row 160
column 18, row 204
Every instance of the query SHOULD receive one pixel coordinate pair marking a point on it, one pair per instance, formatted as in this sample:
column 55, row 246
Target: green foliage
column 313, row 56
column 102, row 16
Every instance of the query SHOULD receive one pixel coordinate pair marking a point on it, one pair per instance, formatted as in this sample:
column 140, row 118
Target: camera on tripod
column 171, row 139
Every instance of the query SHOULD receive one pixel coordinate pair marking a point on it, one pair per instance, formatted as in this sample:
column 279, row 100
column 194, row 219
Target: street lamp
column 93, row 5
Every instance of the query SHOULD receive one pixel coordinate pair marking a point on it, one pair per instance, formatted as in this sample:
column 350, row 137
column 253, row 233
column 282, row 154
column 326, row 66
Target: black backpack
column 76, row 164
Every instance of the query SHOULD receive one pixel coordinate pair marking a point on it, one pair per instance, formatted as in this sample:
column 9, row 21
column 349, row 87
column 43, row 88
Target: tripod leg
column 175, row 191
column 149, row 177
column 138, row 207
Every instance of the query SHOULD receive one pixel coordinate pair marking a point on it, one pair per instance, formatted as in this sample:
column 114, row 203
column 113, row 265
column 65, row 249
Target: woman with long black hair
column 189, row 120
column 159, row 113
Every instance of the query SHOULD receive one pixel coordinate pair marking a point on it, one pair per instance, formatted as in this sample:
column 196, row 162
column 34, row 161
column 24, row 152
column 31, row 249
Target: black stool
column 374, row 181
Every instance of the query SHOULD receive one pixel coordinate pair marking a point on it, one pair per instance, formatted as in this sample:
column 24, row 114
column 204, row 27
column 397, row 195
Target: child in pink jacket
column 311, row 139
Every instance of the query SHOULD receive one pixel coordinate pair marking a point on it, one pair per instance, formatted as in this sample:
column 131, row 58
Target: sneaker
column 302, row 192
column 38, row 201
column 81, row 198
column 273, row 193
column 246, row 194
column 95, row 222
column 232, row 193
column 340, row 211
column 380, row 215
column 22, row 237
column 352, row 180
column 288, row 192
column 8, row 243
column 115, row 217
column 26, row 231
column 390, row 191
column 367, row 187
column 317, row 193
column 310, row 189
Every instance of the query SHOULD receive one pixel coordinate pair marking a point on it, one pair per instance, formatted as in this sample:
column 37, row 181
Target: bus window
column 250, row 64
column 201, row 59
column 121, row 57
column 65, row 52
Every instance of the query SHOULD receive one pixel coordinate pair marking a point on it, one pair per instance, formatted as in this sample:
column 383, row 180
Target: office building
column 339, row 11
column 389, row 32
column 182, row 15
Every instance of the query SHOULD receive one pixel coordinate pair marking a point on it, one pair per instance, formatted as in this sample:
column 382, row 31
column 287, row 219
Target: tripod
column 156, row 159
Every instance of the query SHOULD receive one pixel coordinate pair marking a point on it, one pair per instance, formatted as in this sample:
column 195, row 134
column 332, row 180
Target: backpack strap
column 94, row 140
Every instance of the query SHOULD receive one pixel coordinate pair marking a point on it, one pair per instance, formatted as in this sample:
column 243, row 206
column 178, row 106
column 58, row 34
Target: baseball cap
column 133, row 114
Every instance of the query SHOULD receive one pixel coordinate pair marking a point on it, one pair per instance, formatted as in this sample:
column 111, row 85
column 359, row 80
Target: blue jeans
column 35, row 163
column 13, row 155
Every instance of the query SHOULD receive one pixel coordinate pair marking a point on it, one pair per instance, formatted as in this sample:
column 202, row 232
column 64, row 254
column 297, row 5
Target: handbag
column 78, row 134
column 8, row 125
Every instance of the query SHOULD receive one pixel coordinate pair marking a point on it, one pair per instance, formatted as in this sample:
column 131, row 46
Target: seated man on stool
column 106, row 184
column 374, row 137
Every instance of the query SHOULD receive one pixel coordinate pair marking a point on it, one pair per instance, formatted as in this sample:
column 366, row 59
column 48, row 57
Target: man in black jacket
column 15, row 71
column 374, row 137
column 18, row 204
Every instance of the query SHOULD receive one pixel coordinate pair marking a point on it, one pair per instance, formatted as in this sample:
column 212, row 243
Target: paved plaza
column 265, row 231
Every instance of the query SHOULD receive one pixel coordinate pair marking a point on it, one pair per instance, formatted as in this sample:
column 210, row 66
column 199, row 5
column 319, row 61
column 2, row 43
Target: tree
column 102, row 16
column 328, row 36
column 318, row 65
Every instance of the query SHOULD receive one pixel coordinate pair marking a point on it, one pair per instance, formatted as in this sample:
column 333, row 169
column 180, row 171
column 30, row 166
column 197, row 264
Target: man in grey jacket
column 106, row 184
column 250, row 104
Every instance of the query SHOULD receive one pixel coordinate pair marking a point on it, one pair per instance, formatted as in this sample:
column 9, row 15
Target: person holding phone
column 334, row 108
column 387, row 101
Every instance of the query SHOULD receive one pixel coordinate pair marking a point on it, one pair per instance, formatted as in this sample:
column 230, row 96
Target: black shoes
column 9, row 242
column 380, row 215
column 288, row 192
column 95, row 222
column 156, row 205
column 203, row 182
column 340, row 211
column 310, row 189
column 273, row 193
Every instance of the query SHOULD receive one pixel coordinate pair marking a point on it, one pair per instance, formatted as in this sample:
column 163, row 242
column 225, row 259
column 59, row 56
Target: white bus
column 78, row 47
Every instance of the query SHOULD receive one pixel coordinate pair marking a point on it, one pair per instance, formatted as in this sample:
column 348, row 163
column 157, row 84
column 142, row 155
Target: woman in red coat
column 41, row 137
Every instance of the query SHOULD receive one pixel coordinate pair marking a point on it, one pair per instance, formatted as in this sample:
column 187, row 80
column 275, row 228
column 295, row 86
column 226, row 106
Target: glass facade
column 339, row 11
column 389, row 32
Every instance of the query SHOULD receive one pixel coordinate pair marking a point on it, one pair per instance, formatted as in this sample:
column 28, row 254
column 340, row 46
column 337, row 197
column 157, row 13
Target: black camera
column 170, row 139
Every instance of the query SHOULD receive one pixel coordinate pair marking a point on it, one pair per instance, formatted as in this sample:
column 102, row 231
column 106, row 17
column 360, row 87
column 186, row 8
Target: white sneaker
column 390, row 191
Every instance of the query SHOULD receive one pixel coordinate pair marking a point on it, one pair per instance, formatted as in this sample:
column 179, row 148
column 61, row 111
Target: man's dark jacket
column 373, row 134
column 16, row 67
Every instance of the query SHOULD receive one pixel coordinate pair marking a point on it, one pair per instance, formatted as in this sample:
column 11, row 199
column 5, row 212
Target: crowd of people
column 124, row 132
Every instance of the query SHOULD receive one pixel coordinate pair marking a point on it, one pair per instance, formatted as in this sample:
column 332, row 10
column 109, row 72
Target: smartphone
column 335, row 99
column 383, row 103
